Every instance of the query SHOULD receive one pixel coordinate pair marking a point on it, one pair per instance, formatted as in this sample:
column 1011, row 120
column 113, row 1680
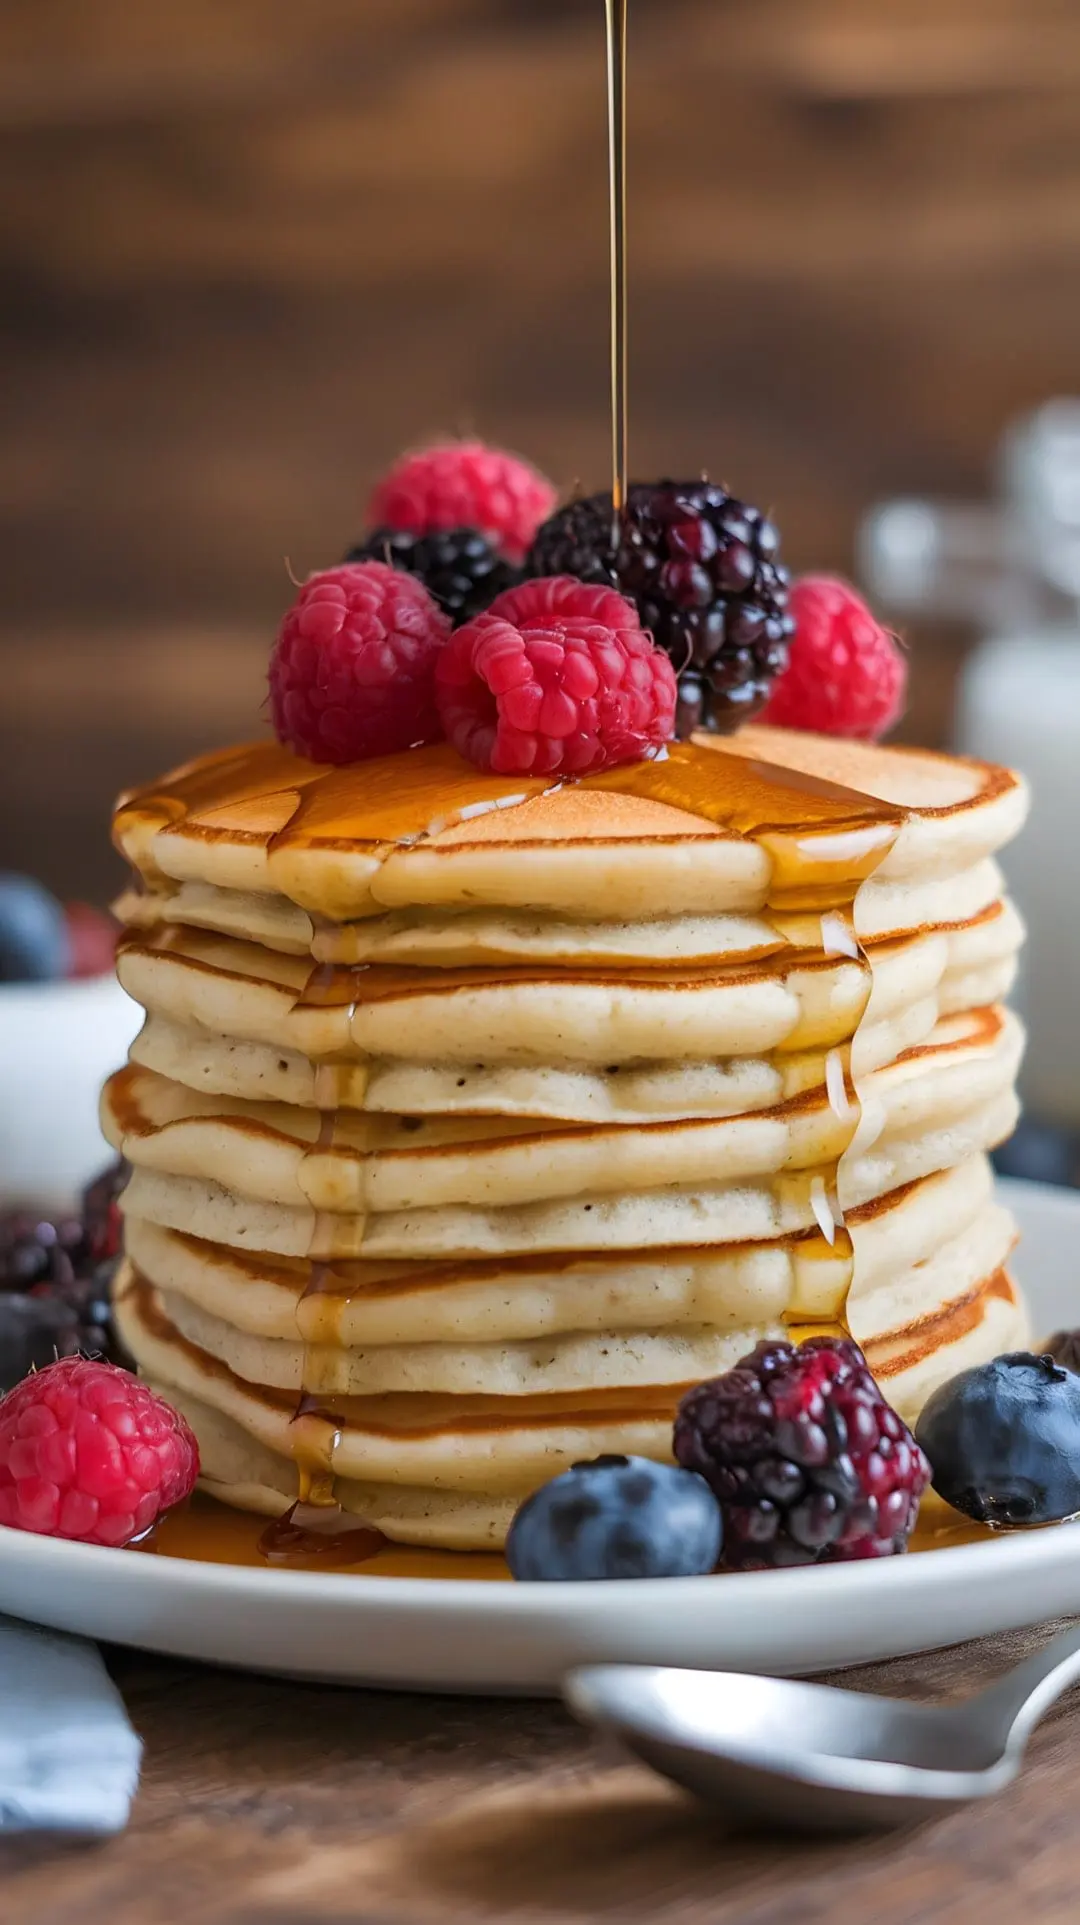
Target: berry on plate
column 616, row 1517
column 88, row 1452
column 55, row 1281
column 555, row 694
column 846, row 675
column 809, row 1462
column 91, row 940
column 1004, row 1441
column 352, row 673
column 703, row 572
column 465, row 484
column 34, row 944
column 460, row 568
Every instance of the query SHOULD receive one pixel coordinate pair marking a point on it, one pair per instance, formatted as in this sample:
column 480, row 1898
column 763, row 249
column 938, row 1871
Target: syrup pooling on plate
column 210, row 1532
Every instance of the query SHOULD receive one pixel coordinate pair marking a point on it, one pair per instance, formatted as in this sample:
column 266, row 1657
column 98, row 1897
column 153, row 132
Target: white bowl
column 58, row 1042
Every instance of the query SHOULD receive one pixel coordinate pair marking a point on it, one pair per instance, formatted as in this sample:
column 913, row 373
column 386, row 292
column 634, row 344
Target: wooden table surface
column 265, row 1803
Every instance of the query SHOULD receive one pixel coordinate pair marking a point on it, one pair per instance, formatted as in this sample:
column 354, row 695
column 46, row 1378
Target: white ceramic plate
column 466, row 1635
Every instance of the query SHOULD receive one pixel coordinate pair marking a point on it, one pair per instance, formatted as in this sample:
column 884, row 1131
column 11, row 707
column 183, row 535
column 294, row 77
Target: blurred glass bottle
column 1013, row 567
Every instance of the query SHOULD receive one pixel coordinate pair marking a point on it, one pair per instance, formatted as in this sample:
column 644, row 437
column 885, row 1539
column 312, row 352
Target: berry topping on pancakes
column 352, row 673
column 555, row 693
column 465, row 484
column 846, row 675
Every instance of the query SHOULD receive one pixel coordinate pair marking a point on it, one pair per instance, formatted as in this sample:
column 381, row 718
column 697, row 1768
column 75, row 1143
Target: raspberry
column 465, row 484
column 352, row 671
column 810, row 1464
column 703, row 572
column 845, row 673
column 458, row 567
column 88, row 1452
column 554, row 694
column 91, row 940
column 557, row 595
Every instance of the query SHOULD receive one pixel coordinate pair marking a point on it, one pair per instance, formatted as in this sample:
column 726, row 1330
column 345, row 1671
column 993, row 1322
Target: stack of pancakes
column 473, row 1119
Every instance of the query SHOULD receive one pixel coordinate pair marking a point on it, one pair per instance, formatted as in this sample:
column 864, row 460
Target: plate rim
column 178, row 1575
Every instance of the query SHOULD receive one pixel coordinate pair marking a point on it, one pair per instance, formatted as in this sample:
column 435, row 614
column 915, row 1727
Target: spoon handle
column 1012, row 1707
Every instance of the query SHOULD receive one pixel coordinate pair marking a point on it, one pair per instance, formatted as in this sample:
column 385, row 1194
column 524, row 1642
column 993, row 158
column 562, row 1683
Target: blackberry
column 458, row 566
column 703, row 571
column 56, row 1282
column 810, row 1464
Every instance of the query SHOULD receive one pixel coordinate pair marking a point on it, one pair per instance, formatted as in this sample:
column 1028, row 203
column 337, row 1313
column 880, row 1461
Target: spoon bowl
column 813, row 1757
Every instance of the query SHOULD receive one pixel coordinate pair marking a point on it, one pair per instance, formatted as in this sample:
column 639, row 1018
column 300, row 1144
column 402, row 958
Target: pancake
column 472, row 938
column 240, row 1471
column 373, row 1165
column 698, row 831
column 611, row 1352
column 237, row 989
column 979, row 965
column 728, row 1286
column 701, row 1213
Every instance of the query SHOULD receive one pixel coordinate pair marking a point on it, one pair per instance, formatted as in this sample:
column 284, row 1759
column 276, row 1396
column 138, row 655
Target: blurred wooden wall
column 251, row 248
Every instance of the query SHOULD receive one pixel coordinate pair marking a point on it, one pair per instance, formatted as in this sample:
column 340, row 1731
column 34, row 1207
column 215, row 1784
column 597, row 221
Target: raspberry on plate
column 560, row 693
column 352, row 673
column 810, row 1464
column 91, row 940
column 846, row 675
column 465, row 484
column 89, row 1452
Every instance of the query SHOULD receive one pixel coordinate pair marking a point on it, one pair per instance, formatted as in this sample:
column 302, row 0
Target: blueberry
column 616, row 1517
column 33, row 932
column 1004, row 1441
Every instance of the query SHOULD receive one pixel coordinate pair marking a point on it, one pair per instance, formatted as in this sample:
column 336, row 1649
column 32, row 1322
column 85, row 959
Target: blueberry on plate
column 616, row 1517
column 33, row 932
column 1004, row 1441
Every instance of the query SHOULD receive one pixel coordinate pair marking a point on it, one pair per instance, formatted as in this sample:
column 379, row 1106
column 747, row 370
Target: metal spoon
column 817, row 1758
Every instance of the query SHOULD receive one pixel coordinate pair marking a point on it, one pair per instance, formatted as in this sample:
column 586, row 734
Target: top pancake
column 766, row 817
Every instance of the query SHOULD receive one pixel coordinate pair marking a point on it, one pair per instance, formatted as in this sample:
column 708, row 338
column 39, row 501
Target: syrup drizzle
column 620, row 412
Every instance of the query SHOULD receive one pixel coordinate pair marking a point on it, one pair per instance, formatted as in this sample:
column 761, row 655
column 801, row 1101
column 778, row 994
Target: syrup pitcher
column 1013, row 567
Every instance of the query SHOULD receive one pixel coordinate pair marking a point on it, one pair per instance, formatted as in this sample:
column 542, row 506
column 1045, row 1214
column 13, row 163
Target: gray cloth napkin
column 69, row 1759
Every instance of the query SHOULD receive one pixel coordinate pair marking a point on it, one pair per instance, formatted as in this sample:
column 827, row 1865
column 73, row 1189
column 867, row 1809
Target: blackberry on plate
column 1004, row 1441
column 616, row 1517
column 810, row 1464
column 458, row 566
column 703, row 571
column 56, row 1282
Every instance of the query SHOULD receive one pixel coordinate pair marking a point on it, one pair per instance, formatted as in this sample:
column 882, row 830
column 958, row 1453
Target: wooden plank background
column 251, row 249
